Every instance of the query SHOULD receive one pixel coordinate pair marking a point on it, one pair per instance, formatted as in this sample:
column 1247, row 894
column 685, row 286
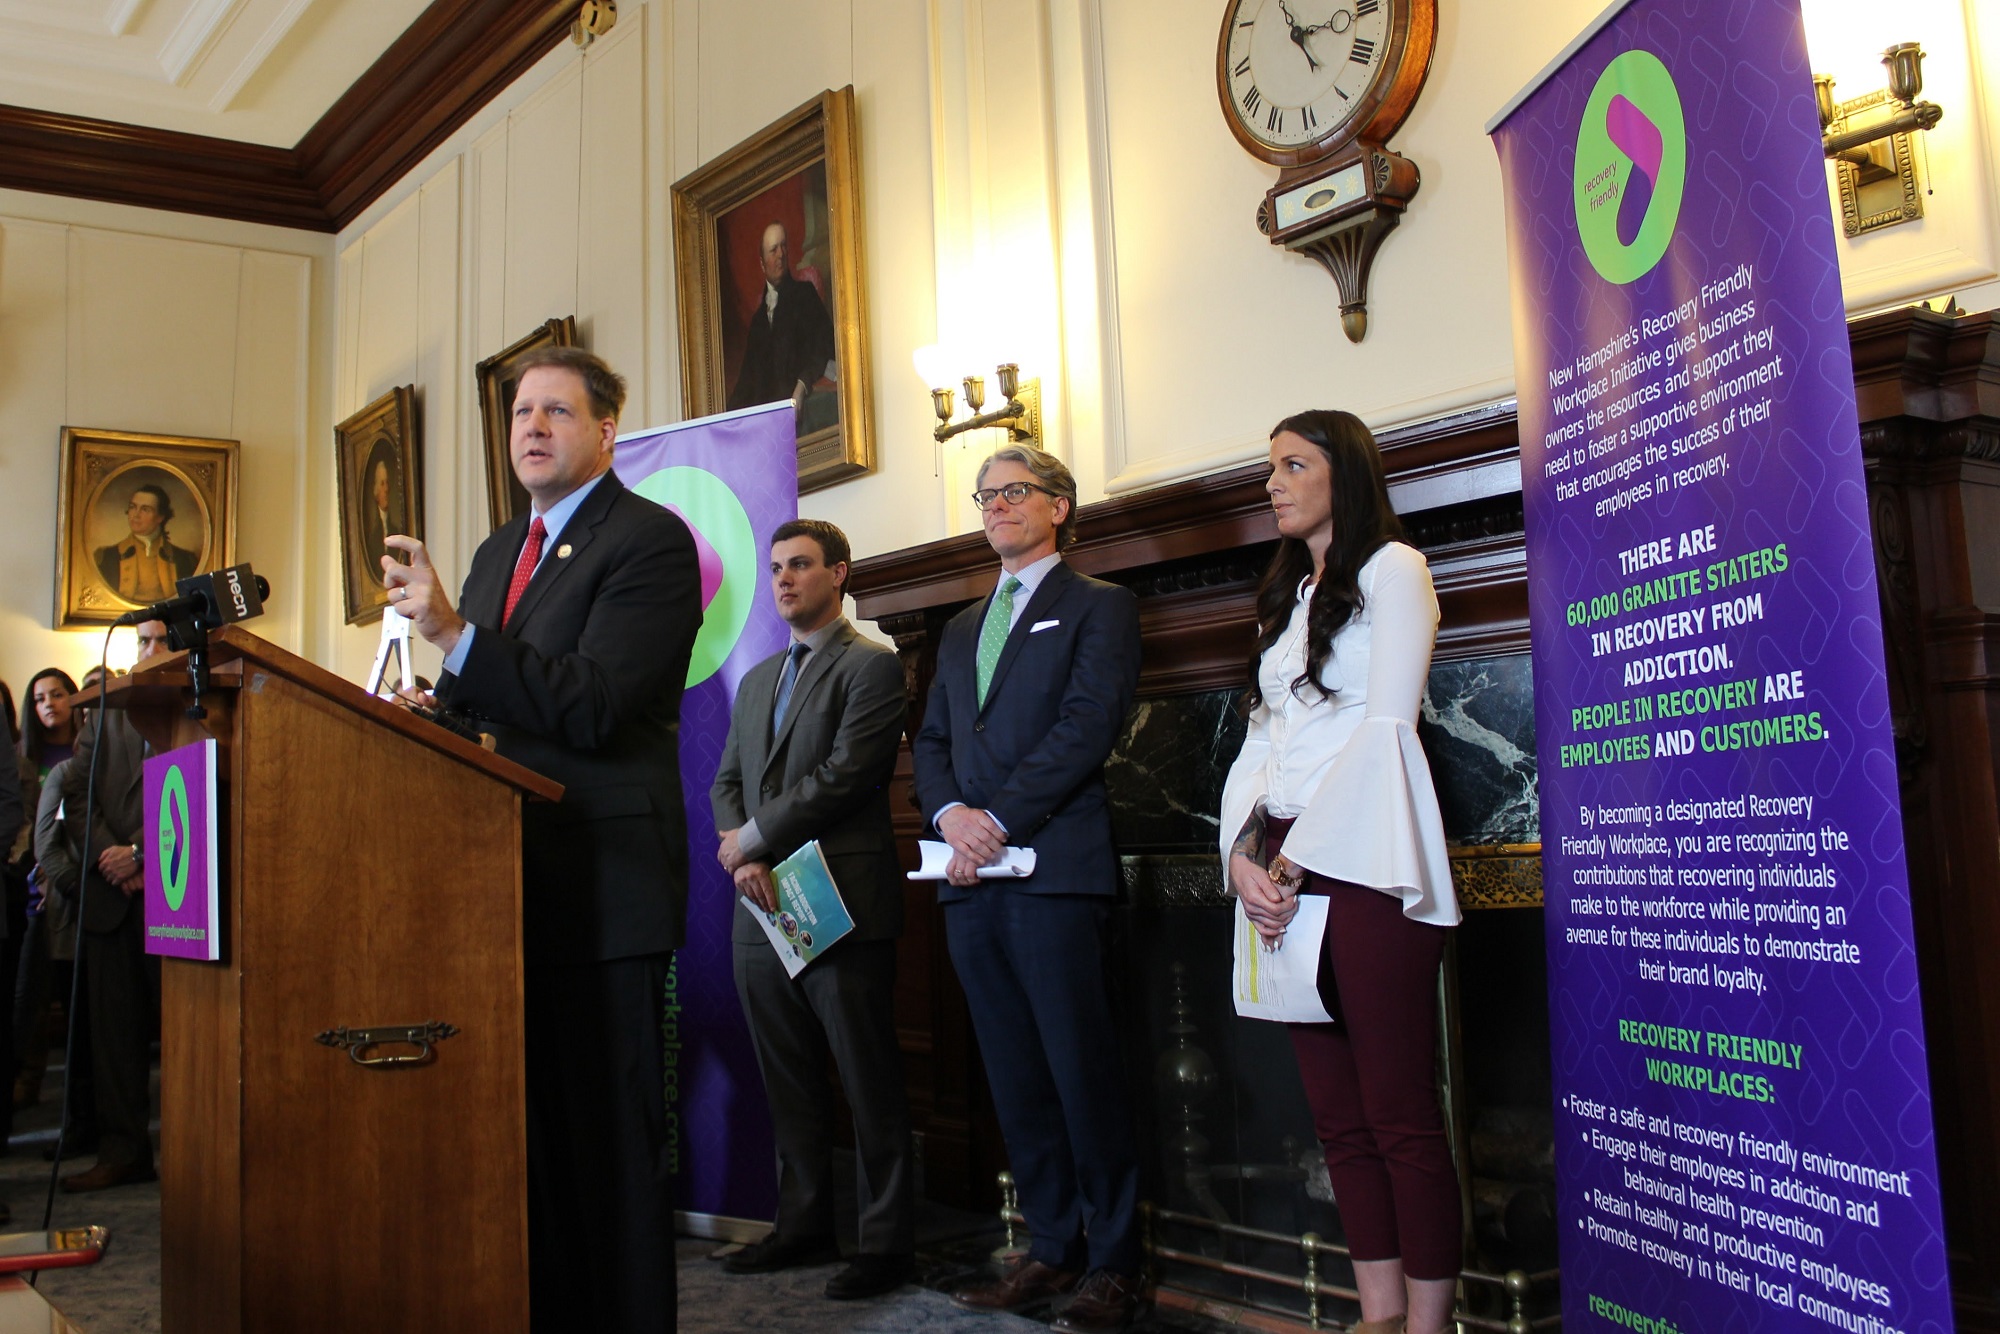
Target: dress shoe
column 1024, row 1281
column 1393, row 1325
column 871, row 1276
column 106, row 1175
column 1104, row 1304
column 78, row 1144
column 775, row 1252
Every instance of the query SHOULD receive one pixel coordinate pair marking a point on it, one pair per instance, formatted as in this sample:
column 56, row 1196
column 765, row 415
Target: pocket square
column 1040, row 626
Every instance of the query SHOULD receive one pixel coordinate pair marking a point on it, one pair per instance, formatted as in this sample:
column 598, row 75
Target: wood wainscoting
column 1928, row 391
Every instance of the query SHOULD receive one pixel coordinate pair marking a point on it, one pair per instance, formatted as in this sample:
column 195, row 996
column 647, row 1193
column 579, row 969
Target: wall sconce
column 1878, row 184
column 1020, row 413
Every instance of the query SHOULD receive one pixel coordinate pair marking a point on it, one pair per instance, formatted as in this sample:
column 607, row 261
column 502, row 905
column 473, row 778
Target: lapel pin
column 562, row 552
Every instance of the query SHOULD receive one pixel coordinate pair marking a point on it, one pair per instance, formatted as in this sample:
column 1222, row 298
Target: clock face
column 1297, row 71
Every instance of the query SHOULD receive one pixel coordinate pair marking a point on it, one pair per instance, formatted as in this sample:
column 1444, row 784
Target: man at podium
column 570, row 644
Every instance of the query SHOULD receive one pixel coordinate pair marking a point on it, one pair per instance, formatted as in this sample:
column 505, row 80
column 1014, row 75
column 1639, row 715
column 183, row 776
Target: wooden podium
column 371, row 877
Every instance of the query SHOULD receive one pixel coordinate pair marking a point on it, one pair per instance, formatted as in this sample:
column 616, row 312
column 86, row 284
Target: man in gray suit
column 812, row 743
column 121, row 980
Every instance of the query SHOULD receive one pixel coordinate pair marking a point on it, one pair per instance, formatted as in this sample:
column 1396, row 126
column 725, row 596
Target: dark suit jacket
column 118, row 808
column 584, row 685
column 1034, row 755
column 825, row 775
column 791, row 344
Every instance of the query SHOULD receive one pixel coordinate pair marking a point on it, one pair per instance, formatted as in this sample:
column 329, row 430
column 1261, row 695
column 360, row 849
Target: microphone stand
column 192, row 636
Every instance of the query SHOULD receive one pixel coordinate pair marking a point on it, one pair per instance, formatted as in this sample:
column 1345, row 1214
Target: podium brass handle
column 355, row 1041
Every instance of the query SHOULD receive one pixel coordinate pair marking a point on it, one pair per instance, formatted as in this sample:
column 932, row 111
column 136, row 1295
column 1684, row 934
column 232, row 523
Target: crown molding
column 458, row 56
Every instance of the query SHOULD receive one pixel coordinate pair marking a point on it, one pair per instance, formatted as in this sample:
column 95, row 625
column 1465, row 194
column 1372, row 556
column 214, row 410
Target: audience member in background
column 55, row 881
column 18, row 854
column 48, row 729
column 11, row 815
column 121, row 980
column 48, row 735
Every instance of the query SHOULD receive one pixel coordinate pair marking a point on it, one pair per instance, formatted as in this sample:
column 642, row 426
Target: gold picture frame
column 378, row 462
column 505, row 497
column 751, row 325
column 135, row 514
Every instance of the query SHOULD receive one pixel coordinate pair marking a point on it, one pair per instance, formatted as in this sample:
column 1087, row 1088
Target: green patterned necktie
column 993, row 634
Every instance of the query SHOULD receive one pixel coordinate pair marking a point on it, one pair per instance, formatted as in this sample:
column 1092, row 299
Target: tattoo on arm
column 1250, row 841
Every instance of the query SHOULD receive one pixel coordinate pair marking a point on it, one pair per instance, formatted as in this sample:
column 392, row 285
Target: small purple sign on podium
column 183, row 858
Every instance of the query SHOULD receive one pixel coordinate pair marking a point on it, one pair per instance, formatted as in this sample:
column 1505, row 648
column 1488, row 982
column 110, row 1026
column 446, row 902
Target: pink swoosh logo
column 1633, row 133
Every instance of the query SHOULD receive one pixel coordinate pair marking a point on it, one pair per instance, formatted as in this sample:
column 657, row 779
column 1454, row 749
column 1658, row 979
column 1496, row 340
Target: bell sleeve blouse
column 1347, row 766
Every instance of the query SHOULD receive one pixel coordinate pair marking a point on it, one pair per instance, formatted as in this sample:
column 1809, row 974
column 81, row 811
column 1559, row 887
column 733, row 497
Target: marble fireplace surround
column 1928, row 392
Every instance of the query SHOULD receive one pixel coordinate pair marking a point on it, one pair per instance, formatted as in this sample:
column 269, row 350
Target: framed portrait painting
column 379, row 462
column 767, row 245
column 136, row 514
column 497, row 381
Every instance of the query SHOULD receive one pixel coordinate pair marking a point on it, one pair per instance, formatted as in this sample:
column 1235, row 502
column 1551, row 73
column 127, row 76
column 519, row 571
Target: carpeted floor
column 715, row 1302
column 122, row 1291
column 121, row 1294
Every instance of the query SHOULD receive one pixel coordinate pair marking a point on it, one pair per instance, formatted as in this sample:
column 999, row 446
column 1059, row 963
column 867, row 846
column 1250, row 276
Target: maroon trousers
column 1371, row 1079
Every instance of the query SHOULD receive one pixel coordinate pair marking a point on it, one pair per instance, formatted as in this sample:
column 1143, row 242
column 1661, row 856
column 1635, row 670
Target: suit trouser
column 124, row 985
column 600, row 1186
column 1033, row 969
column 844, row 1005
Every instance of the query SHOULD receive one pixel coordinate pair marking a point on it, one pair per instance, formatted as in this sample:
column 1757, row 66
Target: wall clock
column 1316, row 87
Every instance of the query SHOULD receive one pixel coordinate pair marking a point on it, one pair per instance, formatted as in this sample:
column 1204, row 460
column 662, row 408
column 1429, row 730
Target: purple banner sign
column 183, row 859
column 734, row 478
column 1743, row 1117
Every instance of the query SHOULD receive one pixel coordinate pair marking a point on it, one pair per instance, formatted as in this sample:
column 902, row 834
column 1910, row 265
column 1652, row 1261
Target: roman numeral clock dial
column 1316, row 87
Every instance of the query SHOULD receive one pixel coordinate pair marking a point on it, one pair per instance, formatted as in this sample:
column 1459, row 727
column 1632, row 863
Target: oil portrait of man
column 777, row 278
column 145, row 564
column 382, row 509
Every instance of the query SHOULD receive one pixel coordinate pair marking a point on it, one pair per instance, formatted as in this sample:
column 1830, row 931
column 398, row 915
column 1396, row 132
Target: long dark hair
column 34, row 736
column 1362, row 522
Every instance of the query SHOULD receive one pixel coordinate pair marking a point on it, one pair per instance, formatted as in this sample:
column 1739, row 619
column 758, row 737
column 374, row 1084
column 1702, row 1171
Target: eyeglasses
column 1016, row 492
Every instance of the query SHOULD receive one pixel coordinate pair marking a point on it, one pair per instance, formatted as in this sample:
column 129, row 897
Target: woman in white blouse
column 1331, row 795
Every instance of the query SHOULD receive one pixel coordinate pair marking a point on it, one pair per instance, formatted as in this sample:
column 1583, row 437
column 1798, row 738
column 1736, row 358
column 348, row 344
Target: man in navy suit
column 570, row 644
column 1030, row 694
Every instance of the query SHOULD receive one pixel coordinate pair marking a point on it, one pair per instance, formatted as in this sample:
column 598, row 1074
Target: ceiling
column 256, row 71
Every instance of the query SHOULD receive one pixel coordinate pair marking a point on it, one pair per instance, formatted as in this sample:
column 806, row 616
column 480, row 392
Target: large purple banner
column 734, row 478
column 1743, row 1117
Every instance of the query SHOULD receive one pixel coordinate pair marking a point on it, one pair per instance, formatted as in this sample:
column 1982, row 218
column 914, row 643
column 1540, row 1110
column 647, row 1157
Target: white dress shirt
column 1347, row 766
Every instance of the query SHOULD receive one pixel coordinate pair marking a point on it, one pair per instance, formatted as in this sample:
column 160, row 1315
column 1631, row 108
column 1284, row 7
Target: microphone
column 219, row 598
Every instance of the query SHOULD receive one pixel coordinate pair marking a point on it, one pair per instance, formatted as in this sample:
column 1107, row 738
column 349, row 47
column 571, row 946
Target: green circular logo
column 727, row 550
column 173, row 836
column 1631, row 167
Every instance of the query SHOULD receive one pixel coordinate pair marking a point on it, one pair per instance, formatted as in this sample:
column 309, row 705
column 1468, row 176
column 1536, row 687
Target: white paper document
column 1282, row 984
column 1013, row 863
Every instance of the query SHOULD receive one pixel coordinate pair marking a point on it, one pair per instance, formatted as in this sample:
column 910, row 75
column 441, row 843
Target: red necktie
column 524, row 569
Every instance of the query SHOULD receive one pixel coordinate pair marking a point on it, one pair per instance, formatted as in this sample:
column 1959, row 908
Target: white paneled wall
column 1047, row 180
column 536, row 210
column 128, row 319
column 563, row 190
